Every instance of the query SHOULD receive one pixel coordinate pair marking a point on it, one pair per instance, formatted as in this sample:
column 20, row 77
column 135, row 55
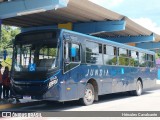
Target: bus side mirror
column 73, row 52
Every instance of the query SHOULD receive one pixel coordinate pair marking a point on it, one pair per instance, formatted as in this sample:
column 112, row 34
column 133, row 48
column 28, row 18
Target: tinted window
column 110, row 57
column 142, row 58
column 134, row 59
column 123, row 57
column 71, row 55
column 100, row 48
column 110, row 50
column 134, row 55
column 93, row 53
column 104, row 49
column 69, row 50
column 150, row 60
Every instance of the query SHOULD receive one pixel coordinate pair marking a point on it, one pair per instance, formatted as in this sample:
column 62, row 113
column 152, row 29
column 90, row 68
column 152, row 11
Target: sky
column 143, row 12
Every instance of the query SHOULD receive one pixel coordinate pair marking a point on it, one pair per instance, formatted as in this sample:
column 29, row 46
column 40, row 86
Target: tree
column 7, row 35
column 157, row 55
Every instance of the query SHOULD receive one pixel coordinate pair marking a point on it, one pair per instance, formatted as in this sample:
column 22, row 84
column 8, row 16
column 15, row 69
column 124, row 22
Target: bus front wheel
column 88, row 98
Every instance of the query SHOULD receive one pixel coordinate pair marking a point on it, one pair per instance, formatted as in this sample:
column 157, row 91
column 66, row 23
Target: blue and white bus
column 63, row 65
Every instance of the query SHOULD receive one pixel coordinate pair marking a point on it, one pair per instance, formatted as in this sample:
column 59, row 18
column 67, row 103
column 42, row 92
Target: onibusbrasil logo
column 22, row 114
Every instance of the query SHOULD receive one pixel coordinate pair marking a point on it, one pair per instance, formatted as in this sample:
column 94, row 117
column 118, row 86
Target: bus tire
column 139, row 88
column 88, row 98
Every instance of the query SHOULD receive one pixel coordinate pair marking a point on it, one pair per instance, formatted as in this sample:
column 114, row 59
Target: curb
column 6, row 106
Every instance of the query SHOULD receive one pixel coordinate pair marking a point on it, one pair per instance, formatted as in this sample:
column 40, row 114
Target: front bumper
column 39, row 91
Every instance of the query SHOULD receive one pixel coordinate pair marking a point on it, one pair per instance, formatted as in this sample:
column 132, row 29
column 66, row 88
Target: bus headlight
column 53, row 81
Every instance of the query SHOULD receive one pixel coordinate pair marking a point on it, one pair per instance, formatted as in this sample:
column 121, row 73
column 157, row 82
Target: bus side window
column 75, row 52
column 110, row 57
column 94, row 53
column 104, row 49
column 71, row 52
column 142, row 59
column 71, row 56
column 123, row 57
column 100, row 48
column 134, row 59
column 153, row 60
column 66, row 52
column 137, row 54
column 150, row 60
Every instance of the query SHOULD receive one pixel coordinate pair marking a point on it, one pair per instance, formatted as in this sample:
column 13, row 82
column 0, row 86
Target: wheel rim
column 88, row 95
column 139, row 88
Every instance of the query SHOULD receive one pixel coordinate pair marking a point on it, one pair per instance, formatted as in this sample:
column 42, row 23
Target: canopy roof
column 78, row 11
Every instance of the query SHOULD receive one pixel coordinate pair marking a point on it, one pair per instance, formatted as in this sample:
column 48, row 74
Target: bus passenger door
column 70, row 69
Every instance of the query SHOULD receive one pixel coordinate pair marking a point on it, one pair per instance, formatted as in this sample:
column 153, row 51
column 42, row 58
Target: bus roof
column 93, row 38
column 109, row 42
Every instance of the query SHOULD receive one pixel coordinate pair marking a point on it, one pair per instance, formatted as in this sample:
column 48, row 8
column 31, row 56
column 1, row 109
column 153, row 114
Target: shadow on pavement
column 60, row 106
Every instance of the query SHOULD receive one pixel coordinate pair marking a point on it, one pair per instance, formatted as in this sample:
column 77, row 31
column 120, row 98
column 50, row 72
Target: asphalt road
column 149, row 101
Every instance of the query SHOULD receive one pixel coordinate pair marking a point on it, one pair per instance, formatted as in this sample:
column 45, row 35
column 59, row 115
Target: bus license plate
column 27, row 97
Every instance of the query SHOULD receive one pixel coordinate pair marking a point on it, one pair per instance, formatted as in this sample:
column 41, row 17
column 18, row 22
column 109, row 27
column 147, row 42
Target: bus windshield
column 35, row 56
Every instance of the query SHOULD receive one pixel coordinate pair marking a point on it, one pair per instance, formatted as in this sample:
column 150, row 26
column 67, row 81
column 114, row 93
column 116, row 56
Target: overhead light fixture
column 30, row 12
